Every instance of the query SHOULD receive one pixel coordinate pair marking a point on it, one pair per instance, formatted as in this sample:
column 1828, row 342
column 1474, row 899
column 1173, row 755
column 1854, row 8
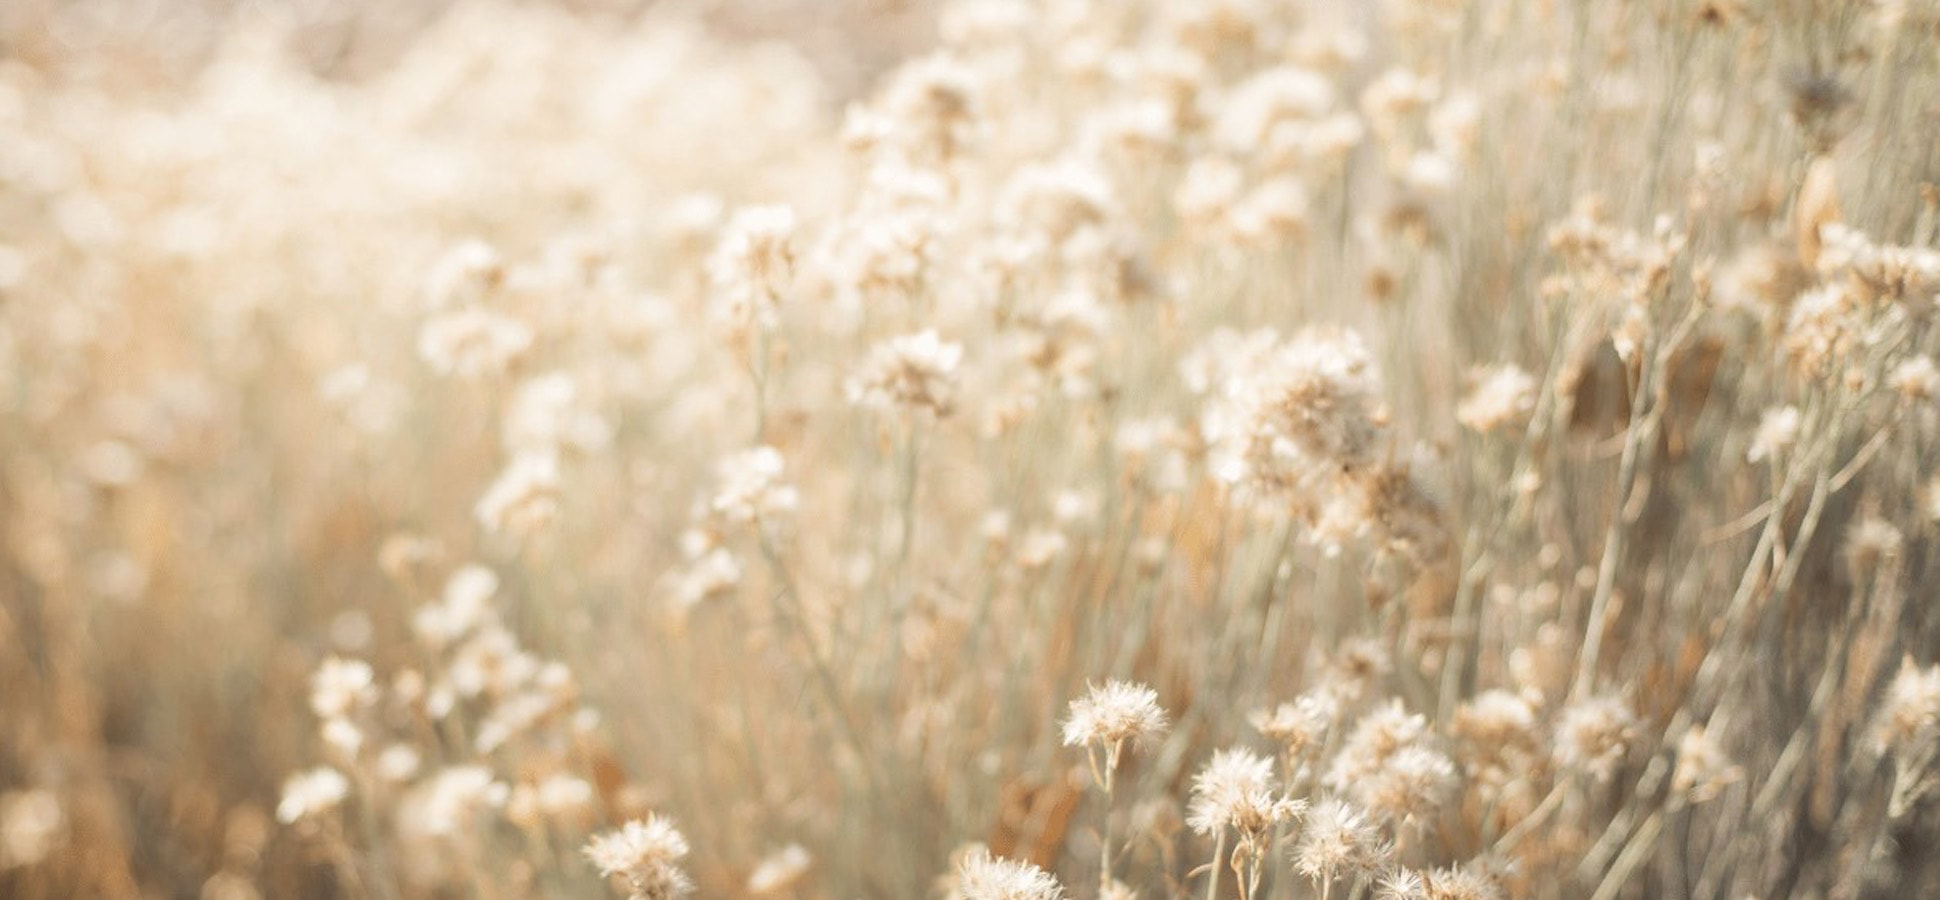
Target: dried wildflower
column 751, row 266
column 886, row 252
column 524, row 498
column 1229, row 774
column 470, row 343
column 464, row 606
column 1503, row 397
column 1299, row 420
column 1397, row 95
column 1496, row 718
column 1058, row 200
column 1217, row 27
column 1703, row 769
column 491, row 662
column 1916, row 379
column 1907, row 727
column 549, row 414
column 341, row 687
column 1039, row 547
column 933, row 101
column 691, row 221
column 565, row 798
column 557, row 798
column 32, row 827
column 1402, row 884
column 398, row 763
column 1909, row 713
column 987, row 24
column 780, row 871
column 1760, row 276
column 1275, row 210
column 1376, row 738
column 512, row 716
column 367, row 403
column 1274, row 99
column 1230, row 794
column 915, row 372
column 344, row 738
column 647, row 855
column 1328, row 47
column 1593, row 737
column 1871, row 542
column 1908, row 274
column 1209, row 191
column 984, row 877
column 1429, row 174
column 1409, row 787
column 311, row 793
column 1454, row 125
column 1777, row 430
column 1302, row 725
column 465, row 275
column 711, row 571
column 1358, row 667
column 1338, row 842
column 1113, row 714
column 451, row 802
column 752, row 489
column 1819, row 331
column 1235, row 790
column 1460, row 884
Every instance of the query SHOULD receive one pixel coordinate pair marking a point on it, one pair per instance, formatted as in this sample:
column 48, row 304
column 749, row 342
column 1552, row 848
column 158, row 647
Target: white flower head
column 311, row 793
column 647, row 855
column 911, row 372
column 985, row 877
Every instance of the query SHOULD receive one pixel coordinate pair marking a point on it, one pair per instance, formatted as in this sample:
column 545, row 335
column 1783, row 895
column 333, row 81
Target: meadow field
column 986, row 450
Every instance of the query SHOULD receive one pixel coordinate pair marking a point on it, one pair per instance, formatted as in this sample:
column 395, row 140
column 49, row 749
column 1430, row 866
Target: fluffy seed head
column 1594, row 735
column 780, row 871
column 1232, row 782
column 647, row 855
column 1338, row 842
column 341, row 687
column 1460, row 884
column 32, row 827
column 1301, row 725
column 1503, row 397
column 1402, row 884
column 311, row 793
column 1703, row 768
column 1777, row 430
column 1117, row 712
column 912, row 372
column 1409, row 786
column 752, row 488
column 985, row 877
column 1909, row 714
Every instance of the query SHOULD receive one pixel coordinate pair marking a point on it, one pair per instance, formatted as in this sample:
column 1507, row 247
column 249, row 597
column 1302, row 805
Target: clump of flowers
column 914, row 372
column 1503, row 397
